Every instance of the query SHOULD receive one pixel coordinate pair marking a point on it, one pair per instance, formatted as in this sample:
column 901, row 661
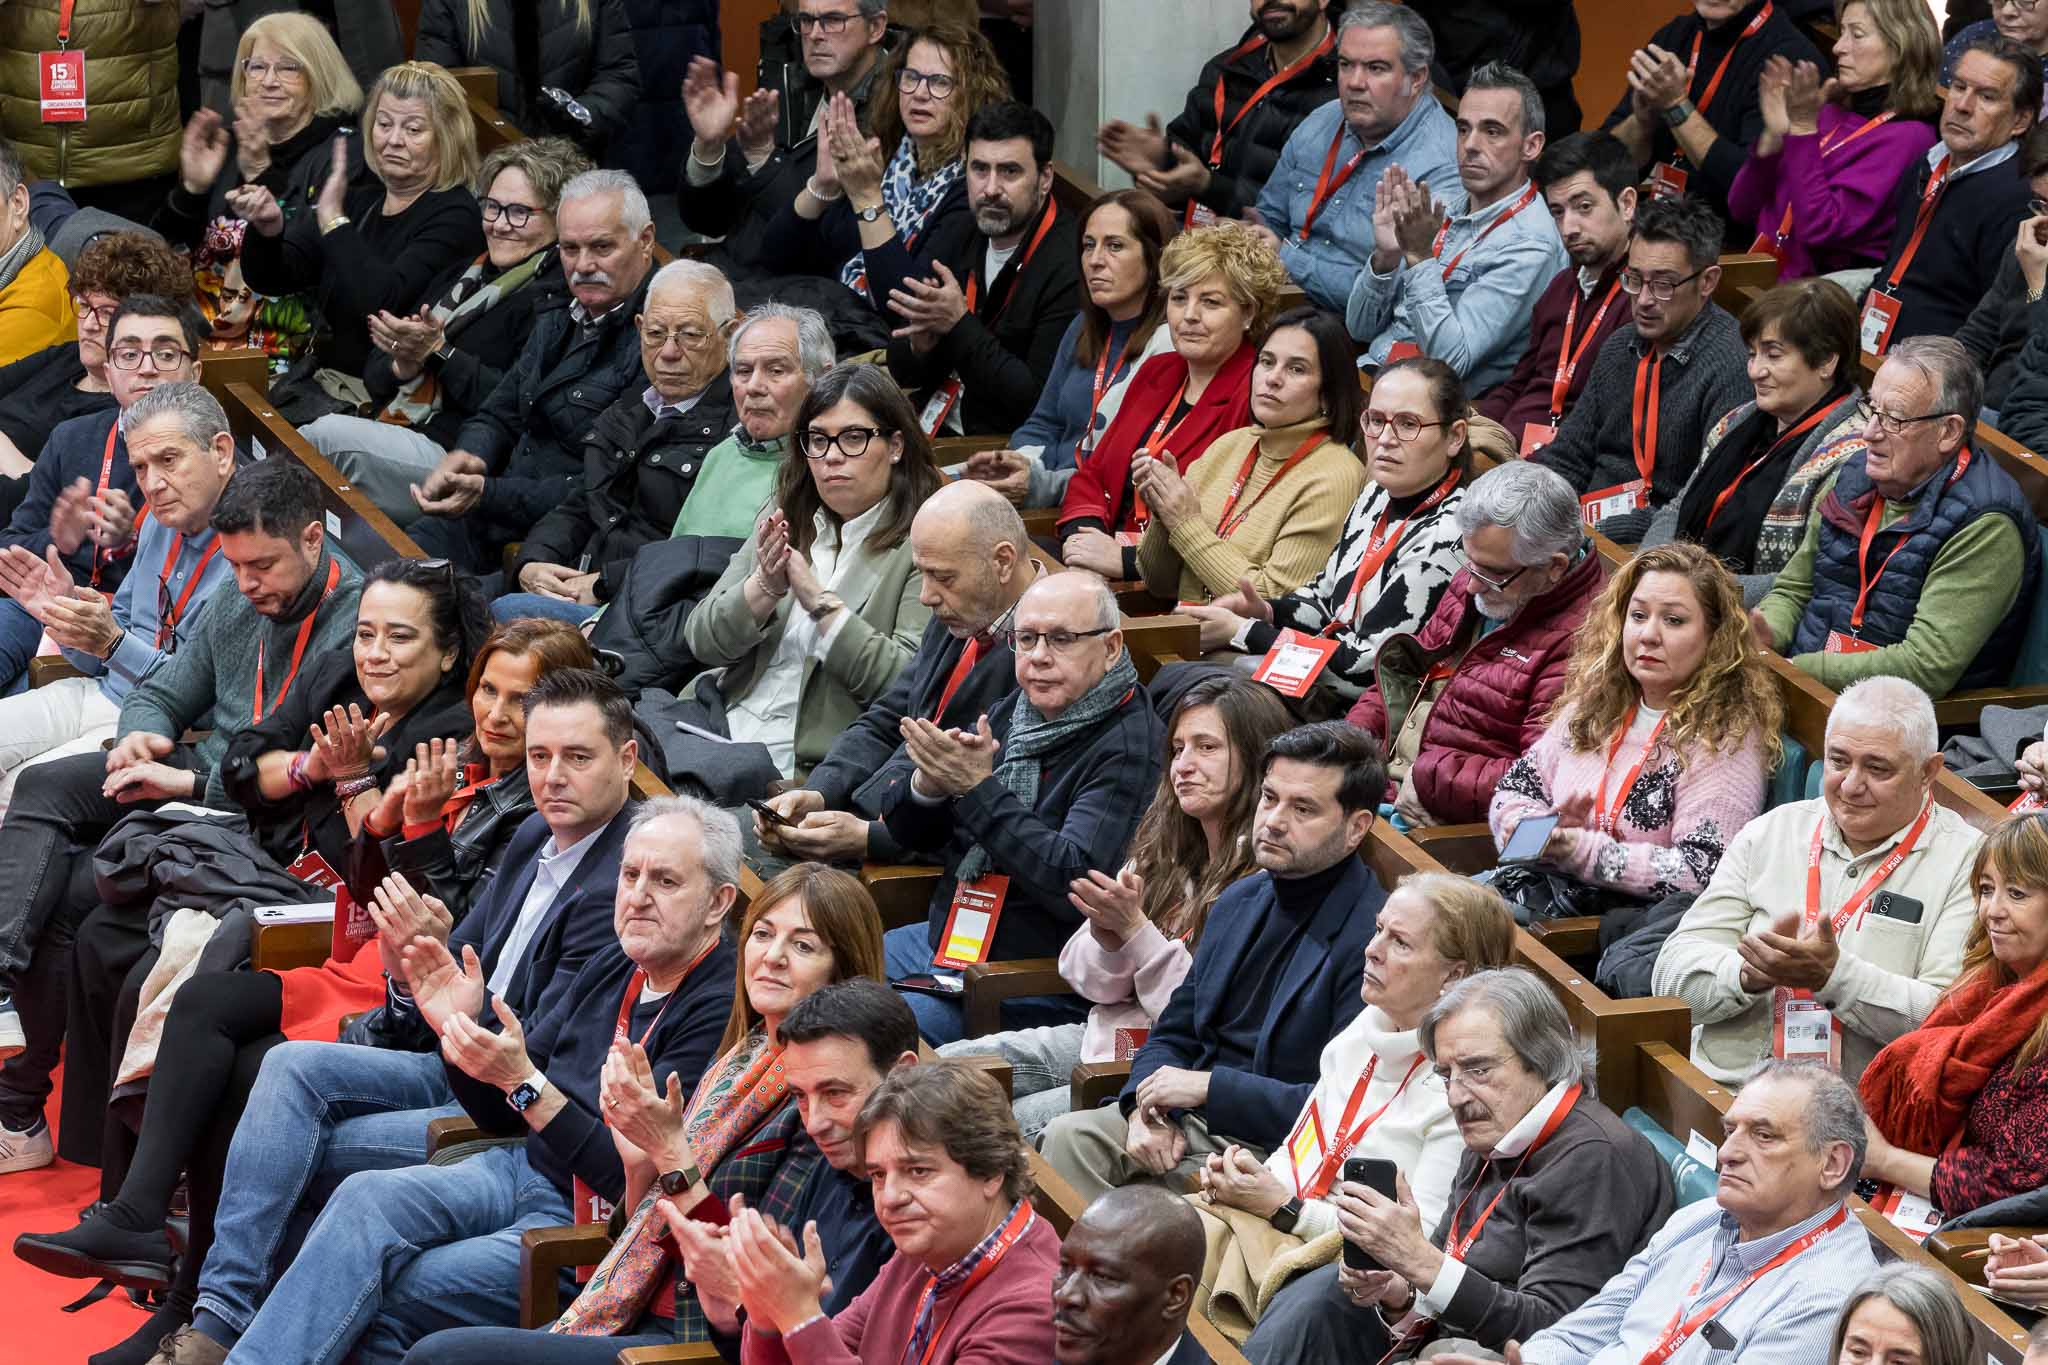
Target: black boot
column 97, row 1250
column 141, row 1347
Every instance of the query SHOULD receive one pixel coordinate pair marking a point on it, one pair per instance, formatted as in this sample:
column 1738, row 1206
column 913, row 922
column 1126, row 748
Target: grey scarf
column 1033, row 735
column 20, row 254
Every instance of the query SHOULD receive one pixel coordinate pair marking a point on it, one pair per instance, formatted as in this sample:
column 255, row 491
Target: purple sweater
column 1843, row 203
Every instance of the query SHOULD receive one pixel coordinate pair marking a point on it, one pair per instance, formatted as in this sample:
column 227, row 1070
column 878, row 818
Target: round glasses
column 938, row 83
column 516, row 214
column 1407, row 426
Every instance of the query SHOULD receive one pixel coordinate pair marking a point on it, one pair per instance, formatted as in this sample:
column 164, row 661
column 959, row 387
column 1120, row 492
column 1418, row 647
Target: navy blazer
column 1188, row 1352
column 1317, row 996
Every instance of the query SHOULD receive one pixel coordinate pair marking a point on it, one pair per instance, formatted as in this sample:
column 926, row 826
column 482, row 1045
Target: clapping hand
column 1113, row 905
column 252, row 141
column 1657, row 77
column 949, row 762
column 1417, row 217
column 498, row 1059
column 407, row 339
column 403, row 916
column 711, row 100
column 1167, row 493
column 779, row 1285
column 82, row 619
column 771, row 551
column 707, row 1262
column 455, row 485
column 930, row 308
column 344, row 747
column 203, row 152
column 1225, row 616
column 856, row 157
column 333, row 190
column 442, row 988
column 634, row 1106
column 258, row 208
column 1783, row 956
column 431, row 777
column 2033, row 764
column 34, row 581
column 1136, row 150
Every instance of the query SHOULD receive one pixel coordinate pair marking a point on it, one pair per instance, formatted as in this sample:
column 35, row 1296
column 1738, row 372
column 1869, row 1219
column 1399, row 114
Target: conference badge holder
column 1535, row 436
column 1128, row 1041
column 1906, row 1211
column 1805, row 1031
column 1306, row 1149
column 1838, row 643
column 1667, row 181
column 1293, row 664
column 940, row 406
column 1632, row 496
column 2026, row 801
column 1880, row 315
column 63, row 85
column 971, row 922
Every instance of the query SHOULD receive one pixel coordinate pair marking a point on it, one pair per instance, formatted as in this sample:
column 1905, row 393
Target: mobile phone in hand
column 1380, row 1175
column 770, row 814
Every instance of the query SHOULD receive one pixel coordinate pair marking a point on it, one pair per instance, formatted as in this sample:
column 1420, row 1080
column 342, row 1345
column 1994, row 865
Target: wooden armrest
column 902, row 891
column 1461, row 848
column 280, row 947
column 951, row 450
column 453, row 1131
column 45, row 669
column 995, row 1068
column 544, row 1253
column 1574, row 937
column 1092, row 1083
column 989, row 984
column 661, row 1355
column 1040, row 521
column 1965, row 710
column 1963, row 1250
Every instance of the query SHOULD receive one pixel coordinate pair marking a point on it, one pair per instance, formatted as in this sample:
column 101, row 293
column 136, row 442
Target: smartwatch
column 673, row 1183
column 526, row 1092
column 1678, row 113
column 1286, row 1216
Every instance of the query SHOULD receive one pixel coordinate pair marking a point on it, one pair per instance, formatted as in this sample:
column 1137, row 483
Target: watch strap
column 1286, row 1216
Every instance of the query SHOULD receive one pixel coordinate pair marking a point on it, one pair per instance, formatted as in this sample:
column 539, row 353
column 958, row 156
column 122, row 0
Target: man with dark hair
column 980, row 335
column 1129, row 1268
column 1589, row 182
column 1957, row 214
column 297, row 599
column 1275, row 977
column 1660, row 383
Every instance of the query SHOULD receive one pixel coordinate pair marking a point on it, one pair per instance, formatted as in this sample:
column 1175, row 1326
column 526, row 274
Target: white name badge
column 1632, row 496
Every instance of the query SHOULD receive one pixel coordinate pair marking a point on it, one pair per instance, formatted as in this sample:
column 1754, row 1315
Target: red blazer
column 1100, row 489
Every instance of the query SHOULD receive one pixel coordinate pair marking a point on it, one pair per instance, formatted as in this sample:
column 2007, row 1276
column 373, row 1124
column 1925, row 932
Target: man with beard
column 980, row 336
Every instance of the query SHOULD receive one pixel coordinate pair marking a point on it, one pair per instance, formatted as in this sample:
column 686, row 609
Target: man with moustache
column 982, row 334
column 1213, row 160
column 1128, row 1272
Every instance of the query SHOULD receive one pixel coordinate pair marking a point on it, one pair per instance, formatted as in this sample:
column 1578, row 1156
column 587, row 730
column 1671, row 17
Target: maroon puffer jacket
column 1497, row 702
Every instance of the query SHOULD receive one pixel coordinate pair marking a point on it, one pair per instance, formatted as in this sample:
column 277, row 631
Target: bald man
column 1126, row 1281
column 1047, row 785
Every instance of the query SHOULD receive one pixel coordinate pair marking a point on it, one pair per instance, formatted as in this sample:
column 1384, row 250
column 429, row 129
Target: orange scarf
column 1919, row 1089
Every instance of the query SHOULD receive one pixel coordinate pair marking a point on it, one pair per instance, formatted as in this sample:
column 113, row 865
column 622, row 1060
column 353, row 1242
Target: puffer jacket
column 131, row 130
column 1497, row 703
column 368, row 36
column 1252, row 149
column 644, row 622
column 598, row 68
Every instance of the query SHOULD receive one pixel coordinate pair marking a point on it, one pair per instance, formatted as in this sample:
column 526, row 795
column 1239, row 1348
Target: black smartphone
column 770, row 814
column 924, row 983
column 1378, row 1174
column 1891, row 905
column 1525, row 845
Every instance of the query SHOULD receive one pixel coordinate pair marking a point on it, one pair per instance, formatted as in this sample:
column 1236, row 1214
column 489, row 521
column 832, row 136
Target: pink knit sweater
column 1674, row 824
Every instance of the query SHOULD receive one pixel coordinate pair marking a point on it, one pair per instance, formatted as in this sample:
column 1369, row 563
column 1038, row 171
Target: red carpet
column 33, row 1331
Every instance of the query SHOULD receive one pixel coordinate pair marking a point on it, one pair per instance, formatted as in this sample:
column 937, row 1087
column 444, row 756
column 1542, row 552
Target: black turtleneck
column 309, row 596
column 1253, row 985
column 1869, row 103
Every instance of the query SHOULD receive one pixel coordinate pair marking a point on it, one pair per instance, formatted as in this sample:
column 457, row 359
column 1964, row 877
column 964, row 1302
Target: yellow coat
column 131, row 130
column 35, row 311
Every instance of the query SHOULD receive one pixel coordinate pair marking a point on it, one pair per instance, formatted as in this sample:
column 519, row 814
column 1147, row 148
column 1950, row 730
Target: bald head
column 974, row 556
column 1069, row 621
column 1128, row 1271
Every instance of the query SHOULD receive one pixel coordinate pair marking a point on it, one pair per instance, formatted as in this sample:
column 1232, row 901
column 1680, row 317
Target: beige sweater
column 1284, row 541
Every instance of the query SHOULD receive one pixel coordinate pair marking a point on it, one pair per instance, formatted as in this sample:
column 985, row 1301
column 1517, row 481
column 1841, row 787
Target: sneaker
column 25, row 1149
column 97, row 1250
column 189, row 1346
column 12, row 1040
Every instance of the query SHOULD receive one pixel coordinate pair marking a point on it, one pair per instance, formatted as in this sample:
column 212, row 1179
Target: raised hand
column 34, row 581
column 71, row 516
column 346, row 745
column 258, row 208
column 110, row 518
column 711, row 100
column 651, row 1119
column 757, row 123
column 83, row 620
column 1113, row 905
column 779, row 1288
column 252, row 141
column 950, row 762
column 431, row 777
column 1179, row 182
column 498, row 1059
column 403, row 916
column 441, row 987
column 707, row 1263
column 334, row 190
column 1770, row 95
column 1802, row 98
column 771, row 551
column 202, row 152
column 1137, row 150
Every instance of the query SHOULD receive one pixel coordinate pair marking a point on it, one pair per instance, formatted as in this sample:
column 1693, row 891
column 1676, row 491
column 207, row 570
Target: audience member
column 979, row 336
column 516, row 457
column 570, row 69
column 1999, row 327
column 369, row 40
column 1776, row 963
column 430, row 373
column 1216, row 157
column 1399, row 548
column 1667, row 643
column 1143, row 923
column 1127, row 1281
column 1385, row 114
column 1903, row 1311
column 2008, row 20
column 1434, row 931
column 1454, row 705
column 1231, row 1059
column 1963, row 202
column 951, row 1183
column 1221, row 284
column 822, row 608
column 1589, row 182
column 1820, row 185
column 1541, row 41
column 1472, row 318
column 2017, row 1269
column 1693, row 108
column 1765, row 461
column 642, row 455
column 1120, row 326
column 873, row 212
column 1953, row 614
column 1777, row 1239
column 1588, row 1192
column 393, row 212
column 1634, row 409
column 35, row 295
column 973, row 559
column 1049, row 784
column 1305, row 411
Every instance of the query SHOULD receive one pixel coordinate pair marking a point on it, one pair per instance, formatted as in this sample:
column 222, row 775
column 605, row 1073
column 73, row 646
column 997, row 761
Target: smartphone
column 770, row 814
column 1891, row 905
column 1525, row 845
column 925, row 983
column 1378, row 1174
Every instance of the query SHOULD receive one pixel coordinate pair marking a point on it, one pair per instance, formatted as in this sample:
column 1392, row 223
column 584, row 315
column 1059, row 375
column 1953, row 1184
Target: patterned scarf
column 909, row 202
column 1033, row 735
column 31, row 241
column 419, row 398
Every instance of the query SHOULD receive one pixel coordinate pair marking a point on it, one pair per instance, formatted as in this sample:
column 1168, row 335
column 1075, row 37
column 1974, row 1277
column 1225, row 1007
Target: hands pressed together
column 949, row 762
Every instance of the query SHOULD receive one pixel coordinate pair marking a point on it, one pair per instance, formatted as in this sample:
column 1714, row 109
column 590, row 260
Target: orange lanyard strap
column 1676, row 1334
column 1378, row 546
column 1827, row 147
column 64, row 22
column 1228, row 526
column 1456, row 1246
column 1865, row 581
column 174, row 612
column 1013, row 1232
column 1437, row 247
column 1348, row 1136
column 636, row 983
column 1567, row 358
column 298, row 646
column 1052, row 211
column 1930, row 199
column 1643, row 432
column 1086, row 445
column 1809, row 424
column 1139, row 511
column 1840, row 919
column 1706, row 97
column 1328, row 184
column 1610, row 816
column 100, row 554
column 1273, row 82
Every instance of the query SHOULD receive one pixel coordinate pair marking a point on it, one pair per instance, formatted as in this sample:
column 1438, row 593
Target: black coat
column 823, row 246
column 666, row 34
column 39, row 393
column 597, row 67
column 298, row 168
column 454, row 866
column 636, row 474
column 1252, row 149
column 1539, row 38
column 644, row 623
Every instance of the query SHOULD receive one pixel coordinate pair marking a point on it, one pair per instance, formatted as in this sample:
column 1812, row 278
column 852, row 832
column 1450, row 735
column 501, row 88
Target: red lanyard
column 1567, row 358
column 1052, row 211
column 1226, row 525
column 1706, row 96
column 64, row 23
column 1086, row 446
column 1610, row 816
column 1840, row 919
column 1864, row 581
column 1139, row 511
column 1929, row 199
column 1826, row 147
column 1013, row 1231
column 168, row 626
column 968, row 658
column 1455, row 1246
column 1436, row 249
column 298, row 646
column 1751, row 468
column 1326, row 185
column 1379, row 545
column 636, row 983
column 1347, row 1136
column 100, row 555
column 1273, row 82
column 1676, row 1334
column 1643, row 433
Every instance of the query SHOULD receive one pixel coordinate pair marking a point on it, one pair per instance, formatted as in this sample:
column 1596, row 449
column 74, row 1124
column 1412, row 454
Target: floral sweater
column 1674, row 823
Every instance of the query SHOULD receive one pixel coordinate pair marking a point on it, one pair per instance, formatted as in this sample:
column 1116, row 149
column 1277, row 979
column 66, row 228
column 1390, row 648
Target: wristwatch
column 673, row 1183
column 1678, row 113
column 526, row 1092
column 1286, row 1216
column 439, row 356
column 868, row 215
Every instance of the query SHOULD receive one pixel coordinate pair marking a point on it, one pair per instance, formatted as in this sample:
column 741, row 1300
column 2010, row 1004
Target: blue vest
column 1940, row 509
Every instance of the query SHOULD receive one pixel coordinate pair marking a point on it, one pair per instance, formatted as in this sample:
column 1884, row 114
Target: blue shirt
column 1425, row 144
column 139, row 601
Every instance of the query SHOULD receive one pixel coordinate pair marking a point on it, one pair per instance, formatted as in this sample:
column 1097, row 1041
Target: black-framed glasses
column 1491, row 583
column 103, row 315
column 1891, row 423
column 2023, row 6
column 517, row 215
column 852, row 442
column 1024, row 641
column 937, row 83
column 165, row 357
column 830, row 24
column 1633, row 282
column 1407, row 426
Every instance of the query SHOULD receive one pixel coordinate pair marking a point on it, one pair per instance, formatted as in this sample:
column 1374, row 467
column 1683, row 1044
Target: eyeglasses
column 1891, row 423
column 938, row 83
column 1491, row 583
column 2023, row 6
column 1407, row 426
column 691, row 338
column 164, row 357
column 851, row 441
column 1025, row 641
column 102, row 317
column 516, row 214
column 1477, row 1074
column 831, row 24
column 261, row 71
column 1632, row 282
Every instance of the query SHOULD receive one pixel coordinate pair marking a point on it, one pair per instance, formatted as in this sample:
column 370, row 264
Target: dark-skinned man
column 1128, row 1271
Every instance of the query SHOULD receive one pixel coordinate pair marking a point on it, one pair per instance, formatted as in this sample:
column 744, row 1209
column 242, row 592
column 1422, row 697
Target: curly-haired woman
column 1660, row 752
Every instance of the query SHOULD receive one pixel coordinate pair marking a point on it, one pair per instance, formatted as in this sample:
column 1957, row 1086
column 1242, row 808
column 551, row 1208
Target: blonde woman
column 586, row 56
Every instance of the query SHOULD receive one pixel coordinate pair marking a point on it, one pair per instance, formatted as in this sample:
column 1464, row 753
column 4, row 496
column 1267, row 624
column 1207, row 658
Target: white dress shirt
column 556, row 867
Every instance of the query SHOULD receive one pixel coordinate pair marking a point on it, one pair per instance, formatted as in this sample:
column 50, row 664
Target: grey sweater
column 211, row 680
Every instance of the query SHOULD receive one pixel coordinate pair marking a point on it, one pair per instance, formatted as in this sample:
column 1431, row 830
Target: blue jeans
column 323, row 1112
column 514, row 605
column 20, row 633
column 907, row 951
column 399, row 1254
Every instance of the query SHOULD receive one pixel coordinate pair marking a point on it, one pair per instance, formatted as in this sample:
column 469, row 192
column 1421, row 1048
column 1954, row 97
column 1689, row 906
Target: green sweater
column 212, row 677
column 1968, row 590
column 732, row 488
